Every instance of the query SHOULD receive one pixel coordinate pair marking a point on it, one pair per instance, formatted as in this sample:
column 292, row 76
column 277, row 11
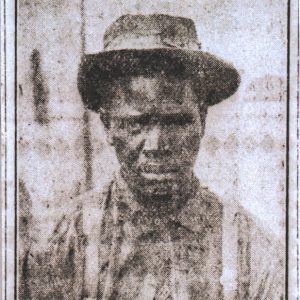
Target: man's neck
column 163, row 202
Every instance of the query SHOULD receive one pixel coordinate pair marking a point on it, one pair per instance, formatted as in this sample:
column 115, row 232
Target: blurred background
column 62, row 150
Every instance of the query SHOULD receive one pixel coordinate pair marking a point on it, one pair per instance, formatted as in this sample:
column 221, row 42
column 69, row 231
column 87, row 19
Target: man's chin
column 158, row 186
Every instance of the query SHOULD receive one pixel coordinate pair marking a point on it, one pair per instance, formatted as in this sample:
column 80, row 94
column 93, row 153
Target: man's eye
column 133, row 127
column 179, row 121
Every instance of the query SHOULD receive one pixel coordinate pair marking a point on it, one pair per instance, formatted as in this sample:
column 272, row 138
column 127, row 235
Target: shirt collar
column 198, row 213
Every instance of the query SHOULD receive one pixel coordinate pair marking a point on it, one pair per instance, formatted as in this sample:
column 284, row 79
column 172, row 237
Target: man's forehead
column 155, row 85
column 159, row 91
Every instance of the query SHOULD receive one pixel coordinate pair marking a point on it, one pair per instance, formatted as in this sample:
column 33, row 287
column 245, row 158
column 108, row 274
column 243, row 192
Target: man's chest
column 159, row 259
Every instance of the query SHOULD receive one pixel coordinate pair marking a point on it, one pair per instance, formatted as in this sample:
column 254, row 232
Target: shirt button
column 157, row 221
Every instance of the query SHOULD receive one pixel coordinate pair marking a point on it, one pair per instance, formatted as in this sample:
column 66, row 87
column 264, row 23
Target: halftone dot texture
column 242, row 154
column 140, row 254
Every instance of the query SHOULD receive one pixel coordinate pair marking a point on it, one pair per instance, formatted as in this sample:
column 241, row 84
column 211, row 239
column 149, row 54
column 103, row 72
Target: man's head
column 153, row 84
column 155, row 124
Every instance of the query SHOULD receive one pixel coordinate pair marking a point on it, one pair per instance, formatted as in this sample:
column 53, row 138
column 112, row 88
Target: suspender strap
column 244, row 257
column 229, row 254
column 92, row 220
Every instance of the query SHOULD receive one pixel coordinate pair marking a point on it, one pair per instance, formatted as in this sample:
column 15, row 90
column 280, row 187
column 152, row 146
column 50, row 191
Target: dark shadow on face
column 156, row 128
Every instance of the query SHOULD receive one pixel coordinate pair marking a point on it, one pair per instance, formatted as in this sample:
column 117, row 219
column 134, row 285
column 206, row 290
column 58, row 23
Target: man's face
column 155, row 127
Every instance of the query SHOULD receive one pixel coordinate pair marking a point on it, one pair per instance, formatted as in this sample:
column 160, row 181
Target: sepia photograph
column 151, row 150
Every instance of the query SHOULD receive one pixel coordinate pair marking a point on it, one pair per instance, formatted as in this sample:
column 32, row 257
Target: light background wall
column 242, row 157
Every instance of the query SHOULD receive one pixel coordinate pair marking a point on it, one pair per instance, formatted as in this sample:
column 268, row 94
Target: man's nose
column 155, row 143
column 153, row 139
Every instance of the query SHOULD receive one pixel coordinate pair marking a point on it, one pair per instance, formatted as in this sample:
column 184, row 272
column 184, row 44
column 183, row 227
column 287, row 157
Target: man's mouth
column 159, row 168
column 159, row 172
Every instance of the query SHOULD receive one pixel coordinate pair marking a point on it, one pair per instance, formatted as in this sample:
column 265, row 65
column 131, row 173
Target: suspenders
column 236, row 253
column 229, row 254
column 92, row 220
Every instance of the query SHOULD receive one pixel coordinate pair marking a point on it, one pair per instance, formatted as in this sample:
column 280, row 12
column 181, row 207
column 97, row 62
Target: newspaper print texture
column 62, row 149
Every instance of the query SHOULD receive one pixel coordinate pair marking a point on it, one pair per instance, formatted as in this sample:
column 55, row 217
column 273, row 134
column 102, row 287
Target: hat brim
column 220, row 78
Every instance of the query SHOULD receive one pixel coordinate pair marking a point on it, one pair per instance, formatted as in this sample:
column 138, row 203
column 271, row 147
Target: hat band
column 131, row 41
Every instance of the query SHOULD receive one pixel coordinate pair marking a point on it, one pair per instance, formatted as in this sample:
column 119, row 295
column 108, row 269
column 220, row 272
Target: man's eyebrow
column 166, row 118
column 128, row 113
column 178, row 117
column 136, row 118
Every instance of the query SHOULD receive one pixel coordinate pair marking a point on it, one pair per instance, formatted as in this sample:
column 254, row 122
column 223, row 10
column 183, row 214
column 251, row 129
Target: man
column 154, row 232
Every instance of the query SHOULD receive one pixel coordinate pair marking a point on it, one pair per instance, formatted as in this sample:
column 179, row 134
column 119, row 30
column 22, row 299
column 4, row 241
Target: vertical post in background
column 86, row 133
column 90, row 276
column 40, row 91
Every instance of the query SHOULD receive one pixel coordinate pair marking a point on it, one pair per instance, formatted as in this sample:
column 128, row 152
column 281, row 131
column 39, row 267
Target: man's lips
column 159, row 168
column 159, row 172
column 159, row 177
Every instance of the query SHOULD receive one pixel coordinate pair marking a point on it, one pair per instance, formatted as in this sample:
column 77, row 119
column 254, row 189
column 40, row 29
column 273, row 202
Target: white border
column 294, row 151
column 8, row 183
column 8, row 118
column 2, row 149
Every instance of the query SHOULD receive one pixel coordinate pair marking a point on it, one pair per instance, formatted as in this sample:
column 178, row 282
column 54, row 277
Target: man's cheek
column 193, row 140
column 127, row 152
column 187, row 145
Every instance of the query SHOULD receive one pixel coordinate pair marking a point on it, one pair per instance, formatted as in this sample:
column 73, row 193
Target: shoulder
column 48, row 272
column 237, row 218
column 71, row 223
column 213, row 203
column 251, row 228
column 253, row 256
column 259, row 254
column 52, row 270
column 89, row 204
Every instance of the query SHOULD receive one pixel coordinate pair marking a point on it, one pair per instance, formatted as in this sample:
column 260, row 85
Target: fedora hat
column 146, row 44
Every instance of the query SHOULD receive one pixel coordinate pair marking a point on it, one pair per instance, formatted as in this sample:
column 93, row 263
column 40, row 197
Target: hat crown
column 151, row 31
column 146, row 45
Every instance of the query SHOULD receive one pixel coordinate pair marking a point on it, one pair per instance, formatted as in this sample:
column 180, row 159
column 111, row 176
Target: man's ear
column 104, row 116
column 203, row 114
